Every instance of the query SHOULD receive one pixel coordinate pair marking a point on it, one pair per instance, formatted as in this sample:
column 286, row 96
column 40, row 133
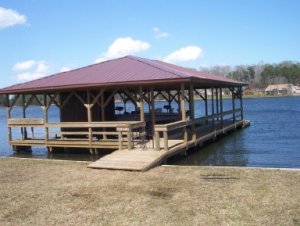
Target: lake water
column 272, row 140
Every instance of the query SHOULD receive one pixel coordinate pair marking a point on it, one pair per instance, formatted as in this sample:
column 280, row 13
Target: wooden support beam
column 23, row 106
column 79, row 98
column 156, row 95
column 192, row 111
column 141, row 104
column 153, row 119
column 166, row 143
column 131, row 97
column 45, row 108
column 157, row 141
column 221, row 108
column 173, row 97
column 37, row 100
column 96, row 102
column 52, row 100
column 103, row 114
column 26, row 104
column 217, row 102
column 109, row 98
column 199, row 94
column 89, row 117
column 14, row 102
column 120, row 136
column 8, row 113
column 183, row 111
column 212, row 105
column 23, row 129
column 164, row 96
column 182, row 102
column 233, row 104
column 147, row 99
column 102, row 109
column 206, row 104
column 129, row 139
column 241, row 103
column 63, row 104
column 96, row 98
column 191, row 102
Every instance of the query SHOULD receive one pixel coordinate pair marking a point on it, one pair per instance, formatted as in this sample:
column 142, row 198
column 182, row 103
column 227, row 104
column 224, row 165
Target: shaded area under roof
column 122, row 71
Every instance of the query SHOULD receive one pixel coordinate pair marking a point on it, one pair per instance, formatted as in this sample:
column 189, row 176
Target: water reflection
column 272, row 140
column 231, row 153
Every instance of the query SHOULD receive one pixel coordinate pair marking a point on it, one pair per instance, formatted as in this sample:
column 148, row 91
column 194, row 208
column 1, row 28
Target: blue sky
column 39, row 38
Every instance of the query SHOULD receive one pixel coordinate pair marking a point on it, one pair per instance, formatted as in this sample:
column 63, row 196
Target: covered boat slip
column 145, row 109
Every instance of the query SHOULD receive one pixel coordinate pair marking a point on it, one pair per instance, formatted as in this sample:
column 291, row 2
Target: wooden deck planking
column 144, row 159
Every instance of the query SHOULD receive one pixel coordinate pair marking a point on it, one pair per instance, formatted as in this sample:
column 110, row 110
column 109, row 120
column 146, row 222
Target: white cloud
column 188, row 53
column 159, row 34
column 30, row 70
column 122, row 47
column 9, row 17
column 65, row 68
column 25, row 65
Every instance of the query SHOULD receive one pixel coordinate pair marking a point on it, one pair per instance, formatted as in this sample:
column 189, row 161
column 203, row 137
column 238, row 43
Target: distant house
column 248, row 91
column 296, row 90
column 279, row 89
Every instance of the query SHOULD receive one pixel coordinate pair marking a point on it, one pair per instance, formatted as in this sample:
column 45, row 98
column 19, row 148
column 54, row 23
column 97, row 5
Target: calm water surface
column 272, row 140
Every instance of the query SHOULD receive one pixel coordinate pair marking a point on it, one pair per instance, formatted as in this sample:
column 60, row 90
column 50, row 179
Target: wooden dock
column 142, row 159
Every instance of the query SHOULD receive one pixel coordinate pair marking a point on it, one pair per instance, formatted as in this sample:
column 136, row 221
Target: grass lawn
column 34, row 192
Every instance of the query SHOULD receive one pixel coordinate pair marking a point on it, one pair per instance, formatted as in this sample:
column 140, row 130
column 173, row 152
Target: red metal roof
column 125, row 70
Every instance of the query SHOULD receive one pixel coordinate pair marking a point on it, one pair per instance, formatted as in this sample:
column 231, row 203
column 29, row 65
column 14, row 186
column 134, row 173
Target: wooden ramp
column 138, row 159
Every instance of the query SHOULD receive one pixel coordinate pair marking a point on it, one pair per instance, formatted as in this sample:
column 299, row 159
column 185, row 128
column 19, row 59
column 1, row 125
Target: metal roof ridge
column 152, row 63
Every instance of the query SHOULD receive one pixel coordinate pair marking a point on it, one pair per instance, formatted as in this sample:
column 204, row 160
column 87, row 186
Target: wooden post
column 8, row 113
column 23, row 129
column 129, row 138
column 192, row 110
column 191, row 103
column 153, row 119
column 45, row 108
column 221, row 103
column 206, row 105
column 182, row 103
column 179, row 102
column 89, row 117
column 142, row 113
column 183, row 112
column 217, row 103
column 157, row 141
column 170, row 102
column 212, row 106
column 233, row 104
column 166, row 143
column 120, row 140
column 103, row 113
column 241, row 103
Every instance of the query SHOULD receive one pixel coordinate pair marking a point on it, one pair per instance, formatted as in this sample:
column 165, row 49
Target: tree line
column 260, row 75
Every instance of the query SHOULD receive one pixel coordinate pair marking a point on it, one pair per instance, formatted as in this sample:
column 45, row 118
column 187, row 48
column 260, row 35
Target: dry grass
column 67, row 193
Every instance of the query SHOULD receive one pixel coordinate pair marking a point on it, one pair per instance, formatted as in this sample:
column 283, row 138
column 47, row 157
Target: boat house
column 146, row 110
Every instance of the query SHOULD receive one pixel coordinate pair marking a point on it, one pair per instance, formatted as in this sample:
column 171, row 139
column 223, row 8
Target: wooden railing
column 123, row 134
column 165, row 129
